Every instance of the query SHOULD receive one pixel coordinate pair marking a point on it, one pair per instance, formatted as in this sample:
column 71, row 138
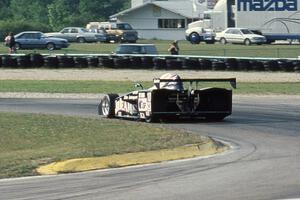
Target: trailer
column 272, row 37
column 276, row 19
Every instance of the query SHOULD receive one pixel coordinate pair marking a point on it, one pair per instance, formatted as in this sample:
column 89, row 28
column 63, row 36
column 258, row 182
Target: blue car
column 37, row 40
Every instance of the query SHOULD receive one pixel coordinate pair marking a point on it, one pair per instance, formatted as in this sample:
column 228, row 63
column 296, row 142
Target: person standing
column 11, row 43
column 174, row 48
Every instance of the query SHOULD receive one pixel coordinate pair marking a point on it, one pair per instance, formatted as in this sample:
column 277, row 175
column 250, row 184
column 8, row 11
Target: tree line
column 53, row 15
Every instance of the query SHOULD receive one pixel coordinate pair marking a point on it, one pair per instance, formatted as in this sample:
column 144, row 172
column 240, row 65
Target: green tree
column 63, row 13
column 100, row 10
column 4, row 9
column 58, row 13
column 30, row 10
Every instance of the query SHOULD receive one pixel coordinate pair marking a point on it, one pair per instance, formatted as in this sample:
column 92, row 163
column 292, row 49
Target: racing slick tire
column 107, row 105
column 151, row 119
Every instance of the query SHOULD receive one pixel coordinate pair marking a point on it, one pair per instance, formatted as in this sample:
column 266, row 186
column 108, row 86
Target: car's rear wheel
column 17, row 46
column 80, row 40
column 247, row 42
column 223, row 41
column 50, row 46
column 107, row 105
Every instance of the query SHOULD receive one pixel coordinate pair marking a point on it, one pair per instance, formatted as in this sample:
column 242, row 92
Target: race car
column 169, row 98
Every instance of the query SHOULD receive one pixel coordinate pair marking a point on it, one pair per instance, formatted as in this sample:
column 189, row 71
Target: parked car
column 75, row 34
column 136, row 49
column 240, row 35
column 168, row 98
column 103, row 36
column 36, row 39
column 122, row 30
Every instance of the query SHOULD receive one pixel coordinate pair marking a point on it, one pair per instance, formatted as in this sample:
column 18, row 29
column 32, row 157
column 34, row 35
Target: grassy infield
column 186, row 48
column 28, row 140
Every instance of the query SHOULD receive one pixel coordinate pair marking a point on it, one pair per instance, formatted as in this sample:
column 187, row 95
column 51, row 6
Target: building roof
column 183, row 8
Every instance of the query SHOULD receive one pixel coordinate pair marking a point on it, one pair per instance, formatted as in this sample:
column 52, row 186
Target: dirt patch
column 140, row 75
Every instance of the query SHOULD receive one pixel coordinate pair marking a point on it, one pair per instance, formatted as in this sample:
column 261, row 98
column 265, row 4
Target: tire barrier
column 65, row 62
column 81, row 62
column 218, row 65
column 135, row 62
column 51, row 62
column 297, row 66
column 24, row 61
column 9, row 62
column 106, row 61
column 148, row 62
column 159, row 63
column 244, row 65
column 257, row 65
column 231, row 64
column 122, row 62
column 172, row 63
column 191, row 63
column 93, row 61
column 37, row 60
column 285, row 65
column 205, row 64
column 271, row 65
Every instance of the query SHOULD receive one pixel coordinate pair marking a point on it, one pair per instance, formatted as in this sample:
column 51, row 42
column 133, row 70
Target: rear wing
column 232, row 81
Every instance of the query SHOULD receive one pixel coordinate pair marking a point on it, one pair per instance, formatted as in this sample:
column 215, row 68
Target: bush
column 20, row 26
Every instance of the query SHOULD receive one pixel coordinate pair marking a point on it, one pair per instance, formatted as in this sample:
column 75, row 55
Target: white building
column 164, row 19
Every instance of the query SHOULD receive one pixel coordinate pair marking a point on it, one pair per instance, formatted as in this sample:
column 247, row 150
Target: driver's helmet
column 176, row 85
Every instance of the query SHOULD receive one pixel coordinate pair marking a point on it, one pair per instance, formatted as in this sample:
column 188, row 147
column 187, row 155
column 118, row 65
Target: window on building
column 189, row 20
column 171, row 23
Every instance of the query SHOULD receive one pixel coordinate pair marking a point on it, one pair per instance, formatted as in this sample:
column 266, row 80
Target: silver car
column 240, row 35
column 38, row 40
column 75, row 34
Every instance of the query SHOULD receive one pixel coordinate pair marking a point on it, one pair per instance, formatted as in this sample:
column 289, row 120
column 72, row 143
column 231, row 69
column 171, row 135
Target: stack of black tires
column 148, row 62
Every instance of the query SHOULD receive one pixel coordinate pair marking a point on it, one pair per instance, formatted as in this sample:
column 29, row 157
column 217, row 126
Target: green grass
column 186, row 48
column 29, row 140
column 126, row 86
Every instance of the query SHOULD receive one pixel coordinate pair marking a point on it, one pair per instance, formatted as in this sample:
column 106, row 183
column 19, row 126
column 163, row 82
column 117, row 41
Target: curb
column 87, row 164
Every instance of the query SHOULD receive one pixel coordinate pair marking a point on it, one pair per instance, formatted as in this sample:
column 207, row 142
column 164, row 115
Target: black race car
column 169, row 98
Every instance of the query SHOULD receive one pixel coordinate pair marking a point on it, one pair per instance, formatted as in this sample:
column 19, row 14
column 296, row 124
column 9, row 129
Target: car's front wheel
column 194, row 38
column 247, row 42
column 107, row 105
column 50, row 46
column 17, row 46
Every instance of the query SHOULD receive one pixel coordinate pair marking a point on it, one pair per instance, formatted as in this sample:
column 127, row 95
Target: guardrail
column 184, row 62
